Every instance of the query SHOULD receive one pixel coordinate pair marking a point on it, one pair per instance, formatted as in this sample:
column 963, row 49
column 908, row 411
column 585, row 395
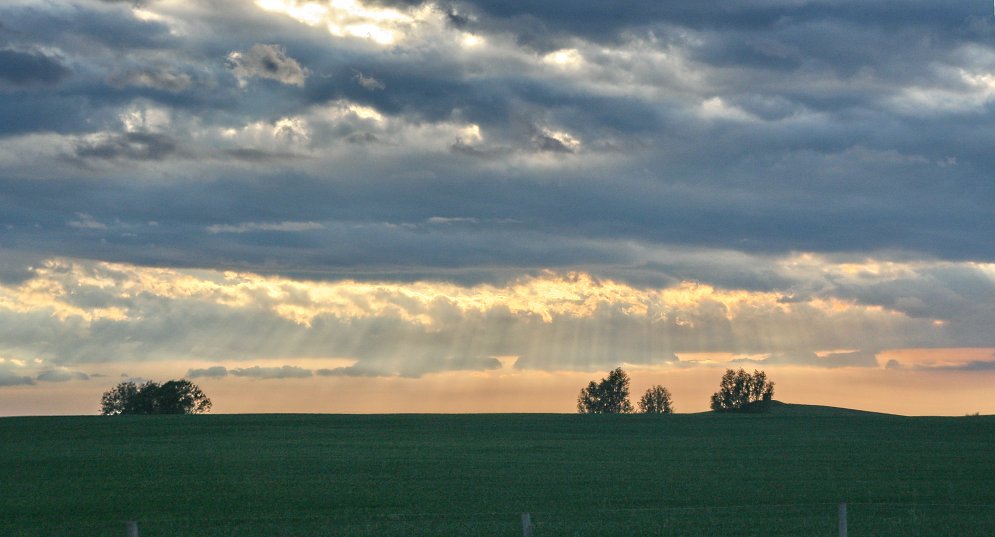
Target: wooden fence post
column 131, row 527
column 526, row 525
column 843, row 519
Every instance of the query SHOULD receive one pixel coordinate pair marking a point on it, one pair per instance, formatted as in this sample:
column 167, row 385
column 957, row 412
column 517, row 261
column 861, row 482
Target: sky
column 473, row 206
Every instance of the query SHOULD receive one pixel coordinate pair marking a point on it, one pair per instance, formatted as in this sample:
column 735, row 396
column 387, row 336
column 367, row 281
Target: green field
column 781, row 473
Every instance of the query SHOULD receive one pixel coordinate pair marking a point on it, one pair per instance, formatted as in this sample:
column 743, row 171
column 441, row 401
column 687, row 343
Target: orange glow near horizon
column 509, row 390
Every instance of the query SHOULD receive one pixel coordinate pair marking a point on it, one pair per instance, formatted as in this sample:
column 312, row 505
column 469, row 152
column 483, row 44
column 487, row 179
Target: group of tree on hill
column 611, row 396
column 172, row 397
column 739, row 391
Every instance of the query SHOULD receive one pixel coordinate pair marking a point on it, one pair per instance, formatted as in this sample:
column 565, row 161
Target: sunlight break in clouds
column 545, row 303
column 347, row 18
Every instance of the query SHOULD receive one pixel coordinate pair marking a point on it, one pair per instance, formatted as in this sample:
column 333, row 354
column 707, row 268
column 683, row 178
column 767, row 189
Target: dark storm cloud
column 64, row 88
column 364, row 223
column 763, row 127
column 30, row 68
column 539, row 21
column 83, row 25
column 30, row 112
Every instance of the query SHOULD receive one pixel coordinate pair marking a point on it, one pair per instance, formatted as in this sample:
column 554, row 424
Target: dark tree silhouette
column 656, row 400
column 171, row 397
column 741, row 391
column 609, row 396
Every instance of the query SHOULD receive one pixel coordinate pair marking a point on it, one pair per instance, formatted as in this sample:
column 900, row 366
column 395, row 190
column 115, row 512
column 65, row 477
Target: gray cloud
column 284, row 372
column 267, row 61
column 130, row 146
column 61, row 375
column 548, row 143
column 217, row 371
column 478, row 151
column 972, row 366
column 151, row 77
column 261, row 156
column 977, row 365
column 832, row 360
column 369, row 82
column 8, row 378
column 15, row 268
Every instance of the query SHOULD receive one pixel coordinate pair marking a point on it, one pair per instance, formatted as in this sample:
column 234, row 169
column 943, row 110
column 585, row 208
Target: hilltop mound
column 790, row 409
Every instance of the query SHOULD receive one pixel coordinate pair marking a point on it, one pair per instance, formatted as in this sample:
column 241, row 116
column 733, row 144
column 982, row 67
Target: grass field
column 781, row 473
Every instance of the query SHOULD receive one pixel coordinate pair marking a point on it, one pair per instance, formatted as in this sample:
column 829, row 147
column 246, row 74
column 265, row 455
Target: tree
column 741, row 391
column 171, row 397
column 656, row 400
column 609, row 396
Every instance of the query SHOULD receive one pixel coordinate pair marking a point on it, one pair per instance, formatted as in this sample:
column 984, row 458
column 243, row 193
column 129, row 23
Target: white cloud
column 248, row 227
column 353, row 19
column 85, row 221
column 143, row 116
column 266, row 61
column 446, row 220
column 717, row 108
column 369, row 82
column 569, row 58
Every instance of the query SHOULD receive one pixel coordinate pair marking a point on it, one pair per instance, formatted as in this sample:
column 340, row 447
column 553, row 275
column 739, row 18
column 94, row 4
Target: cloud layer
column 546, row 134
column 68, row 314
